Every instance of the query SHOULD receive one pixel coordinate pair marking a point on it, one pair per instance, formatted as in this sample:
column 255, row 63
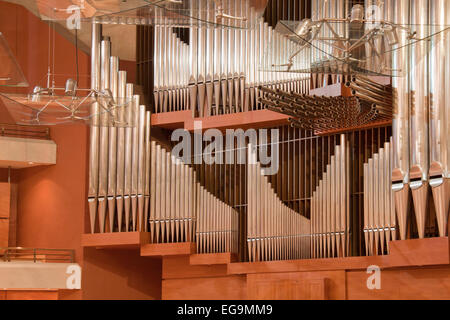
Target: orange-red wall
column 52, row 200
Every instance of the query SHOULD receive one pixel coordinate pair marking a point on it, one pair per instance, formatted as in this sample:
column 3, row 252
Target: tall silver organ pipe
column 400, row 121
column 439, row 113
column 128, row 155
column 419, row 153
column 95, row 129
column 330, row 207
column 112, row 144
column 105, row 54
column 120, row 194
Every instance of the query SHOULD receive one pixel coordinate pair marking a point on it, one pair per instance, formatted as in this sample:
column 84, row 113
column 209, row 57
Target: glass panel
column 343, row 47
column 11, row 74
column 226, row 13
column 42, row 108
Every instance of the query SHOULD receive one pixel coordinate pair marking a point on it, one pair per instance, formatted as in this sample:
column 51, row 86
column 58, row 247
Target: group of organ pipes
column 274, row 231
column 218, row 71
column 119, row 147
column 421, row 113
column 136, row 185
column 379, row 211
column 330, row 207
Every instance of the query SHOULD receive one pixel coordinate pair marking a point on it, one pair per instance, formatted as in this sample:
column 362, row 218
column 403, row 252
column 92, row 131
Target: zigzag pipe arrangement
column 274, row 231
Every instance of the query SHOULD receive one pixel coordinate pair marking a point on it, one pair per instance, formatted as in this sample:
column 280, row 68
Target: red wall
column 52, row 200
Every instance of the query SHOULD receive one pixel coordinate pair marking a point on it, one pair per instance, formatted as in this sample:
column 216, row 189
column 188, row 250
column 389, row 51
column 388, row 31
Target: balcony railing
column 22, row 131
column 37, row 255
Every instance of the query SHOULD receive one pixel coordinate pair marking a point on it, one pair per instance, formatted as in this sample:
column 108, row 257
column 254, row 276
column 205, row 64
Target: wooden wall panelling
column 410, row 284
column 12, row 241
column 5, row 200
column 178, row 267
column 318, row 285
column 211, row 288
column 31, row 295
column 4, row 232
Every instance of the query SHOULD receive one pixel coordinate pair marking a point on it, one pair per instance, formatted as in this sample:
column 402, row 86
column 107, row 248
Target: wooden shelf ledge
column 168, row 249
column 171, row 120
column 212, row 258
column 116, row 240
column 242, row 120
column 406, row 253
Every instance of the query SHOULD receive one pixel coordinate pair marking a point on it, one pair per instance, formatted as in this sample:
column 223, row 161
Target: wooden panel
column 212, row 258
column 421, row 251
column 116, row 240
column 12, row 242
column 242, row 120
column 217, row 288
column 2, row 295
column 5, row 198
column 167, row 249
column 414, row 284
column 178, row 267
column 4, row 232
column 170, row 120
column 297, row 286
column 31, row 295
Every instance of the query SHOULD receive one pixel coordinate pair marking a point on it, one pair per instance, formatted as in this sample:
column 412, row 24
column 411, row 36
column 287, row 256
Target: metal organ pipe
column 105, row 53
column 439, row 106
column 112, row 144
column 94, row 130
column 419, row 153
column 400, row 121
column 122, row 91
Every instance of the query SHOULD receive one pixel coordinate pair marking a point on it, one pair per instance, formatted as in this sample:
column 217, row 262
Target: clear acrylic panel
column 343, row 47
column 226, row 13
column 47, row 109
column 11, row 74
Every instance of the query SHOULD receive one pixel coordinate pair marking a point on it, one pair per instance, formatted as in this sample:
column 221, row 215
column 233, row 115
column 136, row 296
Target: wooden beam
column 168, row 249
column 116, row 240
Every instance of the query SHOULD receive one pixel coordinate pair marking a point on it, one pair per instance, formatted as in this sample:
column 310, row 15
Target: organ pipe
column 401, row 119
